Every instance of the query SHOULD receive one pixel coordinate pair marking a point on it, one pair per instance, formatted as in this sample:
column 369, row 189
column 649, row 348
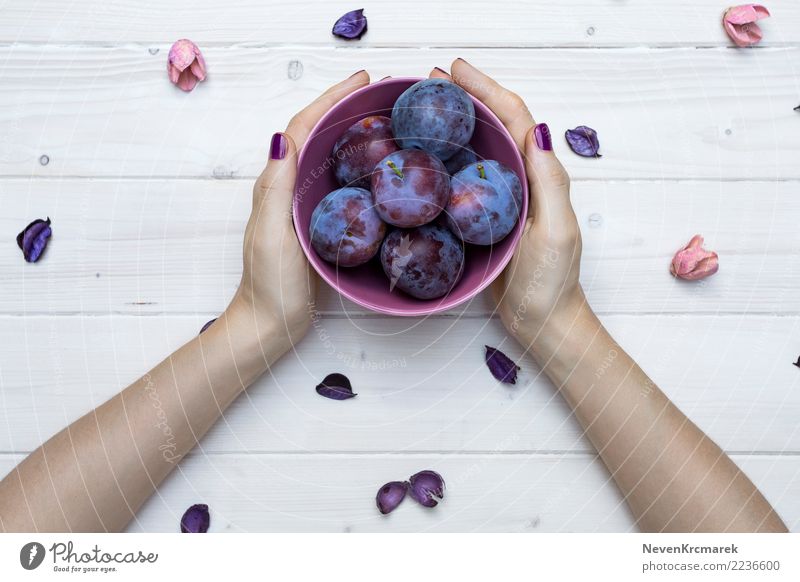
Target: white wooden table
column 148, row 189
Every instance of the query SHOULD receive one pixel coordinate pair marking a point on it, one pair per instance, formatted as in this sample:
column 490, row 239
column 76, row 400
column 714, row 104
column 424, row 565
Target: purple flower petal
column 426, row 488
column 336, row 387
column 352, row 25
column 501, row 366
column 390, row 496
column 196, row 519
column 206, row 325
column 33, row 239
column 584, row 142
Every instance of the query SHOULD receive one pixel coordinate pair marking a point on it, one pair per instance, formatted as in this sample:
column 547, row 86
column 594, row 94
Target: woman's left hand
column 277, row 291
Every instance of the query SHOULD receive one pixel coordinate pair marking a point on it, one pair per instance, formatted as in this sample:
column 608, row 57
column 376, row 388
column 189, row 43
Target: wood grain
column 422, row 385
column 174, row 246
column 489, row 493
column 415, row 23
column 661, row 114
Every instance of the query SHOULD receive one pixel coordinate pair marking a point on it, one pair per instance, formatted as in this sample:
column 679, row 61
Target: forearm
column 672, row 475
column 96, row 473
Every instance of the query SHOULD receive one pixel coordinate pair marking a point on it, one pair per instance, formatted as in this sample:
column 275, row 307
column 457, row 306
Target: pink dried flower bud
column 740, row 23
column 185, row 64
column 693, row 262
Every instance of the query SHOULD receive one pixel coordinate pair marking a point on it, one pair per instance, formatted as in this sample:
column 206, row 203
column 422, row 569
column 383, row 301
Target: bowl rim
column 446, row 302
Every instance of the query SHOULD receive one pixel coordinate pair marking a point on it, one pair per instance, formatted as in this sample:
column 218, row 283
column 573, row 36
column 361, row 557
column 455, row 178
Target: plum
column 463, row 157
column 426, row 262
column 485, row 202
column 345, row 229
column 434, row 115
column 361, row 146
column 410, row 188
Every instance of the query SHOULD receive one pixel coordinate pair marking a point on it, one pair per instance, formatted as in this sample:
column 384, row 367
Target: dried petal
column 797, row 108
column 740, row 23
column 426, row 488
column 583, row 141
column 390, row 496
column 797, row 363
column 501, row 366
column 186, row 65
column 207, row 325
column 336, row 387
column 352, row 25
column 196, row 519
column 33, row 239
column 693, row 262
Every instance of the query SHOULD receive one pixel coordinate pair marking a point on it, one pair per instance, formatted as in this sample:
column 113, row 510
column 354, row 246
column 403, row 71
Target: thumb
column 548, row 181
column 274, row 188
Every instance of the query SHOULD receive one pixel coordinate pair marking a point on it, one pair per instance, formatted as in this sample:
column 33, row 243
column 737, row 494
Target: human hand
column 277, row 284
column 540, row 286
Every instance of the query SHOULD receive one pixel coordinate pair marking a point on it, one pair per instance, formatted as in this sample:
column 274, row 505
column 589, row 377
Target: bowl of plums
column 411, row 196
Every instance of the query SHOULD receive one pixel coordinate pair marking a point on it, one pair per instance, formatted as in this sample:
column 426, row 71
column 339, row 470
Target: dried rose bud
column 740, row 23
column 390, row 496
column 206, row 325
column 185, row 65
column 583, row 141
column 693, row 262
column 426, row 488
column 335, row 386
column 33, row 239
column 196, row 519
column 501, row 366
column 351, row 26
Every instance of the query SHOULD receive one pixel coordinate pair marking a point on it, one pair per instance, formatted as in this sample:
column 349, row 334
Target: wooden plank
column 422, row 385
column 488, row 493
column 416, row 23
column 174, row 246
column 663, row 113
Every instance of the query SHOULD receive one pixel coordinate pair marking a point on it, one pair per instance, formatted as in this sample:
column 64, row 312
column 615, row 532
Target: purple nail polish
column 543, row 140
column 277, row 150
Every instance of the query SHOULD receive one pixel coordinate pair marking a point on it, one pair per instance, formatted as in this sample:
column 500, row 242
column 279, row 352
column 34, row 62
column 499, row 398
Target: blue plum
column 463, row 157
column 345, row 229
column 410, row 188
column 434, row 115
column 426, row 262
column 485, row 202
column 361, row 146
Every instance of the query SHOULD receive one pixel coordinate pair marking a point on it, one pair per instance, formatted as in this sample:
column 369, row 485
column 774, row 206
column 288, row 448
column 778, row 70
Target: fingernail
column 462, row 60
column 277, row 150
column 543, row 139
column 440, row 70
column 356, row 73
column 386, row 77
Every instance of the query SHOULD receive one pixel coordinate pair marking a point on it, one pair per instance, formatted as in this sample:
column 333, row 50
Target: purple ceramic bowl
column 367, row 285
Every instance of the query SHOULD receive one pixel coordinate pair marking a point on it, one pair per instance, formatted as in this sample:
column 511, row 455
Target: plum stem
column 394, row 168
column 481, row 171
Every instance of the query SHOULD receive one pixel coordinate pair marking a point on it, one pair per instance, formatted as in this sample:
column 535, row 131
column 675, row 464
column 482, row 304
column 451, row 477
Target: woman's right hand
column 540, row 286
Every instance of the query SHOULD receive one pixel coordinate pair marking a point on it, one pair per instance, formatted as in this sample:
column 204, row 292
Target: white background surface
column 148, row 189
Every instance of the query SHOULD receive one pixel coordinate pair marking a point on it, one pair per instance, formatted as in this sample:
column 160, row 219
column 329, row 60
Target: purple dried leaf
column 501, row 366
column 426, row 488
column 33, row 239
column 797, row 108
column 583, row 141
column 196, row 519
column 390, row 496
column 352, row 25
column 336, row 387
column 206, row 325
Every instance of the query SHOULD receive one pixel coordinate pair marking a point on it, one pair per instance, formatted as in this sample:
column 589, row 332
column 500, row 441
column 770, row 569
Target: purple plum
column 364, row 144
column 410, row 188
column 485, row 202
column 434, row 115
column 463, row 157
column 345, row 229
column 426, row 262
